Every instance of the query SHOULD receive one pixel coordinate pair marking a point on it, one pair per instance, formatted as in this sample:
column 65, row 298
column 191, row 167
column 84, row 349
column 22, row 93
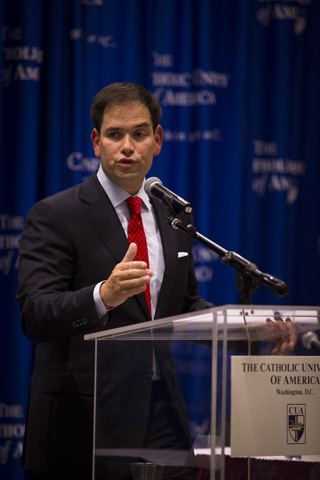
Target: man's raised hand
column 127, row 279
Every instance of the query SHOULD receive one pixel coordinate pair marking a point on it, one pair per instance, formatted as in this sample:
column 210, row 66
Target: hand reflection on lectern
column 285, row 334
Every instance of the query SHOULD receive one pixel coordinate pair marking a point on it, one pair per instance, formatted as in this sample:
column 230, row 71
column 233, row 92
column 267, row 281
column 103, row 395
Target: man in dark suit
column 78, row 274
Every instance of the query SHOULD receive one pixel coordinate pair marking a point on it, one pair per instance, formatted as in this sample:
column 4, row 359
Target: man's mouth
column 126, row 161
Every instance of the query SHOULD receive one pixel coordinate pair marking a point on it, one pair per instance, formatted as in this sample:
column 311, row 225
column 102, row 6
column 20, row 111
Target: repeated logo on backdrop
column 275, row 174
column 10, row 234
column 106, row 41
column 12, row 429
column 204, row 262
column 20, row 62
column 197, row 87
column 294, row 11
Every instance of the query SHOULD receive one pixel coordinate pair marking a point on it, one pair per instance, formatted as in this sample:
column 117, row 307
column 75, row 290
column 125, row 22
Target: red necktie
column 136, row 235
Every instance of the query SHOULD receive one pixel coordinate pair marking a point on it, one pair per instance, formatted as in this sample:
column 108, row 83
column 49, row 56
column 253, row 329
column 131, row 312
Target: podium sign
column 216, row 331
column 275, row 406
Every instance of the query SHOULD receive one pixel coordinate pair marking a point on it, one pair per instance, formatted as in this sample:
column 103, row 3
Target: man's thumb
column 131, row 253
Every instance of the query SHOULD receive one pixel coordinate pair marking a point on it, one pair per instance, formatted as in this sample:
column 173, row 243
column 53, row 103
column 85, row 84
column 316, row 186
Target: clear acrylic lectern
column 203, row 344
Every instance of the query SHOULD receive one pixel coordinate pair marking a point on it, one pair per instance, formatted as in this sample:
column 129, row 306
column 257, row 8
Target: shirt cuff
column 101, row 309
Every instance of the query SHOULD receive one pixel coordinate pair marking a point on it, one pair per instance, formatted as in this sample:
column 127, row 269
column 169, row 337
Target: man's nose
column 127, row 145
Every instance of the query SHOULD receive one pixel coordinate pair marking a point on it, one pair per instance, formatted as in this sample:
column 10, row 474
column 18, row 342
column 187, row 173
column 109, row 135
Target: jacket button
column 149, row 373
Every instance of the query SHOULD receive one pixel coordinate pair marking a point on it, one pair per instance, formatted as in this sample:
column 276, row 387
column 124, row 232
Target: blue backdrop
column 239, row 85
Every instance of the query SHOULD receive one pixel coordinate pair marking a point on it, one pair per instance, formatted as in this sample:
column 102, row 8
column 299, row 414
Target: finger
column 130, row 253
column 270, row 322
column 132, row 287
column 280, row 348
column 128, row 268
column 293, row 335
column 280, row 335
column 284, row 340
column 275, row 349
column 130, row 292
column 280, row 322
column 133, row 281
column 274, row 326
column 283, row 346
column 289, row 335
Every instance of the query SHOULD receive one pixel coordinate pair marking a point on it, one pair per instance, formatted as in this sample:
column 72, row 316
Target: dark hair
column 117, row 94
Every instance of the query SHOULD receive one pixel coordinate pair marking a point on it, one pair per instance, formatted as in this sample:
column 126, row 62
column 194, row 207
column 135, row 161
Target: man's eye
column 140, row 134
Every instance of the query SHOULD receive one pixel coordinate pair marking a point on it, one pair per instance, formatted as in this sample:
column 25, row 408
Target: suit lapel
column 104, row 218
column 169, row 240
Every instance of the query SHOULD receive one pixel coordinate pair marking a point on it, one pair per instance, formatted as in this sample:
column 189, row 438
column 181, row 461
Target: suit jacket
column 70, row 242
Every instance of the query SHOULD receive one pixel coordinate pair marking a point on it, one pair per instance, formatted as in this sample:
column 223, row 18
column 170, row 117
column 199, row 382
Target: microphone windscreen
column 148, row 185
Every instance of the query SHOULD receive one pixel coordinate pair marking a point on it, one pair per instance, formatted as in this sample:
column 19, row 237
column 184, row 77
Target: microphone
column 154, row 188
column 310, row 340
column 277, row 286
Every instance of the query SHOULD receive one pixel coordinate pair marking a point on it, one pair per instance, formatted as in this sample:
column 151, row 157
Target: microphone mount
column 248, row 278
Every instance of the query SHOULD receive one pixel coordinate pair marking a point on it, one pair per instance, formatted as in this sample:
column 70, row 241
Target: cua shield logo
column 296, row 423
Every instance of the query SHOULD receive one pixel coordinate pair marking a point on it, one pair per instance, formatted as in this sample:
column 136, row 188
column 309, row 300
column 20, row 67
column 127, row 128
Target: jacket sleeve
column 50, row 306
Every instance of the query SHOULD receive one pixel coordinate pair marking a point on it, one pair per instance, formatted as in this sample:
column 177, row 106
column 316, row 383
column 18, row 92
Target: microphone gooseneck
column 249, row 277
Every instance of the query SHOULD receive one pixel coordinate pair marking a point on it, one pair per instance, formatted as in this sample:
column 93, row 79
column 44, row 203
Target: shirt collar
column 118, row 195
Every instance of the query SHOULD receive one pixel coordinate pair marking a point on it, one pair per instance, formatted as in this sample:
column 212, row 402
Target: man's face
column 127, row 144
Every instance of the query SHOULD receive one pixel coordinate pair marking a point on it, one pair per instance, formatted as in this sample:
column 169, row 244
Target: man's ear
column 158, row 137
column 95, row 138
